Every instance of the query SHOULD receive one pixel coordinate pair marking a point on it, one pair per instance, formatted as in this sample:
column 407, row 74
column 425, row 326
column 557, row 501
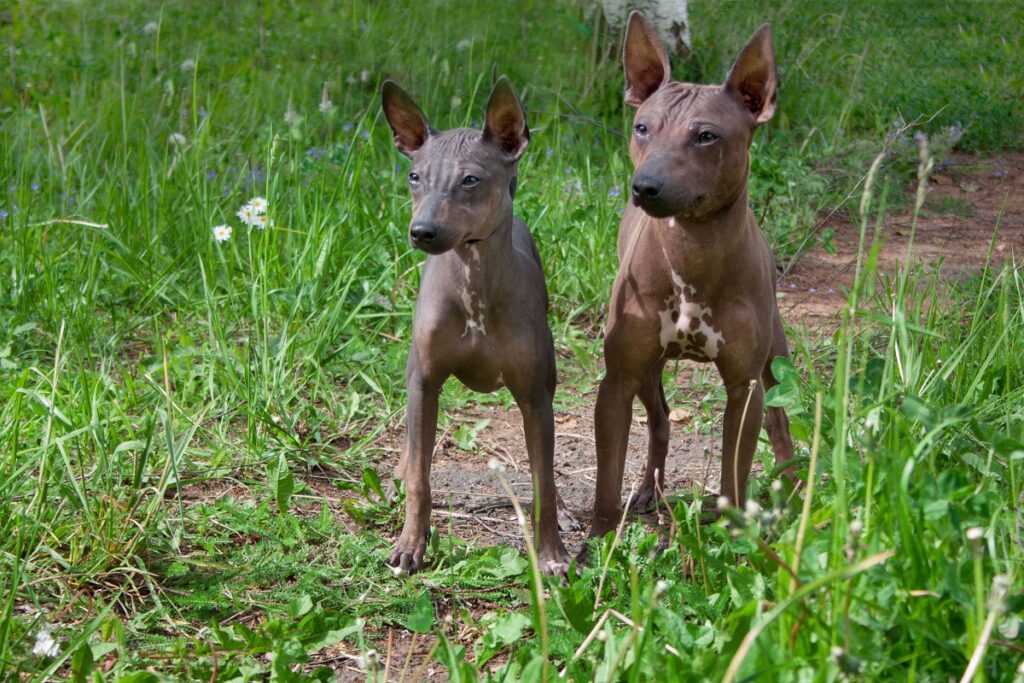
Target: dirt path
column 966, row 198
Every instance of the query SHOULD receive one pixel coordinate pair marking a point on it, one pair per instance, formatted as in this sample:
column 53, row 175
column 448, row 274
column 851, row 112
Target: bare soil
column 967, row 197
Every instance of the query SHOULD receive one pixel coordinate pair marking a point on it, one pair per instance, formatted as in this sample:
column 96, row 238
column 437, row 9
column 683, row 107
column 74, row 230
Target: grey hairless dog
column 482, row 309
column 696, row 277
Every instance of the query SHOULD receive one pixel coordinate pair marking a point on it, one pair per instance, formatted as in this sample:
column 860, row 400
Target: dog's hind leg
column 652, row 395
column 776, row 422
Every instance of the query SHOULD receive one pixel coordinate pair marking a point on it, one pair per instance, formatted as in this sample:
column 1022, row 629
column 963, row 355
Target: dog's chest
column 687, row 327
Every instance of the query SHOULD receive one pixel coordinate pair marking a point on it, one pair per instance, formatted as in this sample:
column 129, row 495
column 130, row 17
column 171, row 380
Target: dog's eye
column 470, row 181
column 640, row 130
column 414, row 178
column 706, row 136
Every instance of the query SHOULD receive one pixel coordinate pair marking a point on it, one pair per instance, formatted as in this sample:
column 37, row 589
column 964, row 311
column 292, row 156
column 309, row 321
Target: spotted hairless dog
column 696, row 277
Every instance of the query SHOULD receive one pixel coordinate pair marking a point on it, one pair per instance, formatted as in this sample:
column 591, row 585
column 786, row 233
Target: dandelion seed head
column 187, row 65
column 364, row 75
column 456, row 101
column 722, row 503
column 150, row 28
column 463, row 45
column 660, row 587
column 975, row 533
column 776, row 486
column 752, row 508
column 856, row 527
column 399, row 572
column 495, row 465
column 177, row 139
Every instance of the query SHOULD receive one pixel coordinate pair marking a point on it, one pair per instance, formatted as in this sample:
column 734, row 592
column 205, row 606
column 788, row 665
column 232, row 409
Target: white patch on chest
column 688, row 324
column 474, row 313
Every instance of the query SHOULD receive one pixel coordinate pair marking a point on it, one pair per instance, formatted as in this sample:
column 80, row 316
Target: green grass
column 169, row 405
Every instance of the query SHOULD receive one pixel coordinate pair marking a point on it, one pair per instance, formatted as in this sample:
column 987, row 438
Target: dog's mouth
column 474, row 241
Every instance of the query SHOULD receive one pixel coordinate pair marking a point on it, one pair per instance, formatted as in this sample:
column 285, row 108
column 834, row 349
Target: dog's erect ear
column 505, row 120
column 407, row 122
column 753, row 78
column 644, row 60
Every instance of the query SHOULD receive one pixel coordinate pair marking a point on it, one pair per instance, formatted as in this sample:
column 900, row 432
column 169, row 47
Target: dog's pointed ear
column 753, row 78
column 505, row 120
column 644, row 60
column 408, row 124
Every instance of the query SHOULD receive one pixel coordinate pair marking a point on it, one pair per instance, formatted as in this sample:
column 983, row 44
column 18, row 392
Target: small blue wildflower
column 202, row 113
column 3, row 214
column 549, row 151
column 70, row 201
column 578, row 185
column 211, row 174
column 365, row 134
column 362, row 27
column 226, row 192
column 398, row 167
column 568, row 170
column 34, row 186
column 614, row 192
column 347, row 127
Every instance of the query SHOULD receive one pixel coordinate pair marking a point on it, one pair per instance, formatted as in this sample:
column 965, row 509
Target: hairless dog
column 482, row 309
column 696, row 277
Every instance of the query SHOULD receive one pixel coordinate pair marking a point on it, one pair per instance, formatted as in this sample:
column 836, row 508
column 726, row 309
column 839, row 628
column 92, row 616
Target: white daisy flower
column 247, row 215
column 45, row 645
column 260, row 221
column 258, row 204
column 222, row 233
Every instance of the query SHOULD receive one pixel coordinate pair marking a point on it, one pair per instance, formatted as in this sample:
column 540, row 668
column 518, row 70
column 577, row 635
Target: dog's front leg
column 744, row 413
column 612, row 417
column 414, row 469
column 539, row 426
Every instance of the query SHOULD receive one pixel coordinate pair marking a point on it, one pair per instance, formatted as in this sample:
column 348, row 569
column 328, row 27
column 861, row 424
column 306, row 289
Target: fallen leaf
column 680, row 415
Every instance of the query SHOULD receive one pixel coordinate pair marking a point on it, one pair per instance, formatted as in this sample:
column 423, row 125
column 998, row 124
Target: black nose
column 645, row 187
column 423, row 233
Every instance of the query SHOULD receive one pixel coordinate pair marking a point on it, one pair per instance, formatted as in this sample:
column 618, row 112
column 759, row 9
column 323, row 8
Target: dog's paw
column 407, row 556
column 566, row 521
column 554, row 562
column 644, row 500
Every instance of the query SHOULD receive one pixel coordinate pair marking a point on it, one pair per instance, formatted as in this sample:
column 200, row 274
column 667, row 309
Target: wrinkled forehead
column 678, row 103
column 457, row 147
